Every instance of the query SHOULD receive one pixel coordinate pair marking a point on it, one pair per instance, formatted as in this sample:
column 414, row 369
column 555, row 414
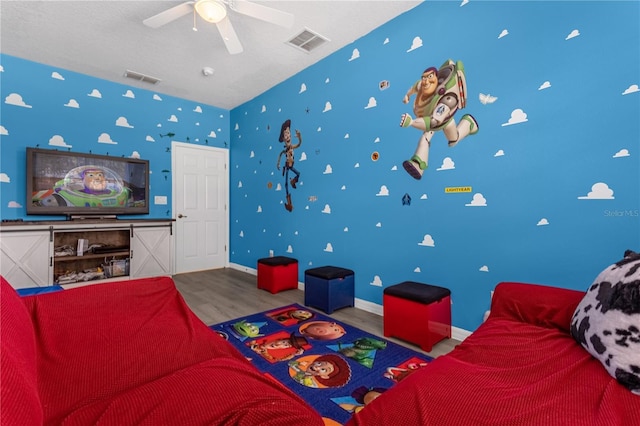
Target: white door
column 200, row 198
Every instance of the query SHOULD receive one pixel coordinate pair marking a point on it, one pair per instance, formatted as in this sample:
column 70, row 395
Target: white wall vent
column 307, row 40
column 141, row 77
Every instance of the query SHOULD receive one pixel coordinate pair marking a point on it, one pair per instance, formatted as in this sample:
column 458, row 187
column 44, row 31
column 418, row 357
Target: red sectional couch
column 520, row 367
column 128, row 353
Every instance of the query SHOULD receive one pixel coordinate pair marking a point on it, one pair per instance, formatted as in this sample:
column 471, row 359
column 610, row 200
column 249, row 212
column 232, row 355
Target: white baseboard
column 456, row 333
column 242, row 268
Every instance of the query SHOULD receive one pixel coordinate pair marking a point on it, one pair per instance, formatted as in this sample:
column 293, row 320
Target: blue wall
column 553, row 171
column 542, row 220
column 59, row 109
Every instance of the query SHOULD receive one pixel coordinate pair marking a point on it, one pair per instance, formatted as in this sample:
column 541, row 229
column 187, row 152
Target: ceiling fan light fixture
column 212, row 11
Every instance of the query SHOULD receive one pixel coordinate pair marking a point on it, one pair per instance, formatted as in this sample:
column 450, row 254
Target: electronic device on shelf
column 109, row 249
column 85, row 185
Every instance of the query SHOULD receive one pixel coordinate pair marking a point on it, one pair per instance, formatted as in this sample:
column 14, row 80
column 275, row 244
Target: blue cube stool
column 328, row 288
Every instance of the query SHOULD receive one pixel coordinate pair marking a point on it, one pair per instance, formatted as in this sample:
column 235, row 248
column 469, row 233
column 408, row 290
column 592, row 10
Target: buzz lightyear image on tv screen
column 87, row 186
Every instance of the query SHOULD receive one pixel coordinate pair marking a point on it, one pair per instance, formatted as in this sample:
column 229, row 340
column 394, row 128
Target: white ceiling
column 105, row 38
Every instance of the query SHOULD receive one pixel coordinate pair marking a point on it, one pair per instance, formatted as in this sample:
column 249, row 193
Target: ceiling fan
column 215, row 11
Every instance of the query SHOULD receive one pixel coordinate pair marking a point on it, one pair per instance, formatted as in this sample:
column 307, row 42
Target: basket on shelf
column 115, row 267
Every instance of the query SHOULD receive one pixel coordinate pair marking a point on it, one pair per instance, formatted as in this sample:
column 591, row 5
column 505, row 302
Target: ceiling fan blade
column 229, row 36
column 264, row 13
column 169, row 15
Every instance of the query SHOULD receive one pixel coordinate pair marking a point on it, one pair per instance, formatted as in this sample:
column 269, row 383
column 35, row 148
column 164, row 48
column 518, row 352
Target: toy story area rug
column 333, row 366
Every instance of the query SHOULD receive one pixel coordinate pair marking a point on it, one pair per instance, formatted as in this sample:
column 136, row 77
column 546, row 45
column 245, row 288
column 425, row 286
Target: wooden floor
column 223, row 294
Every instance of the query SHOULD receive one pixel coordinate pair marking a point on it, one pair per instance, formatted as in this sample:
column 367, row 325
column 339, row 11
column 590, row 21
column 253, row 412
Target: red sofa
column 128, row 353
column 520, row 367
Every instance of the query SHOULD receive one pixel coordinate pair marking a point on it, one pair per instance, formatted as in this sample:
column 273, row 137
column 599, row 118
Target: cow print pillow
column 607, row 320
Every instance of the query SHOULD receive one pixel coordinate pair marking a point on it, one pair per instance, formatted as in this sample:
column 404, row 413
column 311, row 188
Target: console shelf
column 90, row 256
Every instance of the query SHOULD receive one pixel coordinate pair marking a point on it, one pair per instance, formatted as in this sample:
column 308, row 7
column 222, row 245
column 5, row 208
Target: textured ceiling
column 105, row 38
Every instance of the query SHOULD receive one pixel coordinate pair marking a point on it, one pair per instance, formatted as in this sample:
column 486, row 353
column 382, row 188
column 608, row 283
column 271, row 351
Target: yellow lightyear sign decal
column 456, row 189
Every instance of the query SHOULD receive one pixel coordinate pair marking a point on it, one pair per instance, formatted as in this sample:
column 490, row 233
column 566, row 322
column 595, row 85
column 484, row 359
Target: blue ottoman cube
column 329, row 288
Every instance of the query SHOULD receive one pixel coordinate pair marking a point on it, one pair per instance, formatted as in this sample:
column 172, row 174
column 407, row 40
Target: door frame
column 177, row 144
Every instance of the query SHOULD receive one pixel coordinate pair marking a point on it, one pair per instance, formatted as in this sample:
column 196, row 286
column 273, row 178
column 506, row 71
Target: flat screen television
column 78, row 185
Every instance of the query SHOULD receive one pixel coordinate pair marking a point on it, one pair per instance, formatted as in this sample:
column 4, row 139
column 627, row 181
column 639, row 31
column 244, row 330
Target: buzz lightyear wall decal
column 439, row 94
column 285, row 137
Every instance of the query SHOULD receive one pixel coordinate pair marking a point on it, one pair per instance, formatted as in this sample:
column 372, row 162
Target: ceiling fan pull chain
column 195, row 26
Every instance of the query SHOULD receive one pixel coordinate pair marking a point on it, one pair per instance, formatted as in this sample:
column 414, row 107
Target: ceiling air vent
column 141, row 77
column 307, row 40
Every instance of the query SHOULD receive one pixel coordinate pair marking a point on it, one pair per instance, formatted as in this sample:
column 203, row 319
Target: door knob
column 180, row 216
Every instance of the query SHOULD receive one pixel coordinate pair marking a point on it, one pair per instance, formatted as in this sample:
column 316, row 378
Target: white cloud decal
column 354, row 55
column 377, row 281
column 621, row 153
column 95, row 93
column 517, row 116
column 447, row 164
column 427, row 241
column 72, row 104
column 477, row 201
column 16, row 99
column 599, row 191
column 57, row 140
column 57, row 76
column 573, row 34
column 329, row 248
column 106, row 138
column 631, row 89
column 122, row 122
column 415, row 44
column 545, row 85
column 372, row 103
column 327, row 107
column 384, row 191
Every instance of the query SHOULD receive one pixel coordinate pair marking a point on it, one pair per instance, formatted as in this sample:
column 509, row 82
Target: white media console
column 38, row 254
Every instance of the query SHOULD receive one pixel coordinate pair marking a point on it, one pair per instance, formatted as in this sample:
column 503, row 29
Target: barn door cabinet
column 39, row 254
